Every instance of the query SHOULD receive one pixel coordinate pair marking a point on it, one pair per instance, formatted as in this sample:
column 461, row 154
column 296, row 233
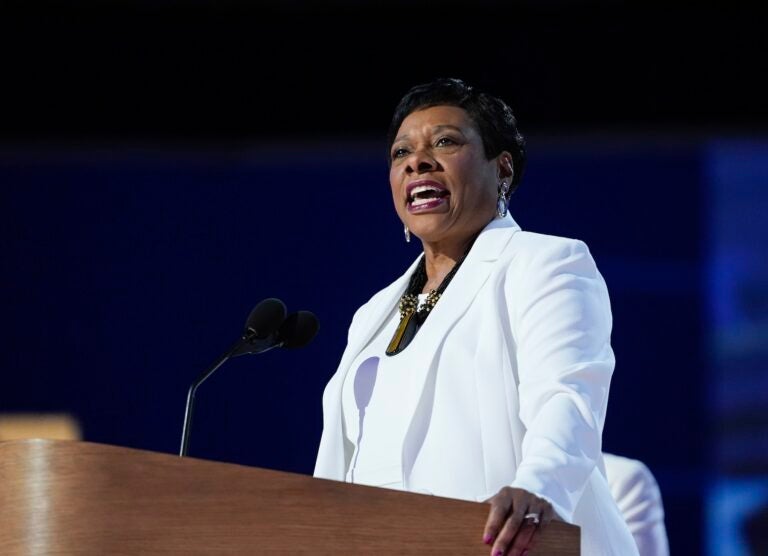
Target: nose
column 420, row 162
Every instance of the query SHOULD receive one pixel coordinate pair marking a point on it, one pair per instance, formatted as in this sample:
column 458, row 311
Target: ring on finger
column 532, row 518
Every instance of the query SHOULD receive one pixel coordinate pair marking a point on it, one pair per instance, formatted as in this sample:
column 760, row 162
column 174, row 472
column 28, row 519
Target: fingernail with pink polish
column 498, row 553
column 488, row 539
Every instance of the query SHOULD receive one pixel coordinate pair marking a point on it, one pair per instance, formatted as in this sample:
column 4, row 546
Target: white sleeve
column 565, row 363
column 637, row 494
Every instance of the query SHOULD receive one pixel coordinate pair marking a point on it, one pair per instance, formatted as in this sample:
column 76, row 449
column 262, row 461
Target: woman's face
column 444, row 188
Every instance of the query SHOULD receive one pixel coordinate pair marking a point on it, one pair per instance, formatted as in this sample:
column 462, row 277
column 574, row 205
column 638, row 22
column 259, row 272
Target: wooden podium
column 66, row 497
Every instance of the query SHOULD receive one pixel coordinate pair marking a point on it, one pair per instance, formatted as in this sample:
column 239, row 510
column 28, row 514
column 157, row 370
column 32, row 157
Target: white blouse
column 371, row 404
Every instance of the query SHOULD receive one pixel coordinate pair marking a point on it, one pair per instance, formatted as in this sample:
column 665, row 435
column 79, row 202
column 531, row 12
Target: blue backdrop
column 126, row 271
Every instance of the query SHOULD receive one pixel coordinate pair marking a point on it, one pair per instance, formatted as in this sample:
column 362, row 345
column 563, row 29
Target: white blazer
column 532, row 314
column 637, row 494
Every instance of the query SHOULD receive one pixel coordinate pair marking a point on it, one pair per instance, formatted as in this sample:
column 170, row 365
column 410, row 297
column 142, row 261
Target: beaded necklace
column 411, row 316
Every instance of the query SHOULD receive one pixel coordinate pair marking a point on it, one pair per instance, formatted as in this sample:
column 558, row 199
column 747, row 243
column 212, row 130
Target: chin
column 429, row 233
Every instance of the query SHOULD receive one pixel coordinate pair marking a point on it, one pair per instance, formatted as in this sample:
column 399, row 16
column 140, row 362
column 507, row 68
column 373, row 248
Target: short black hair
column 493, row 118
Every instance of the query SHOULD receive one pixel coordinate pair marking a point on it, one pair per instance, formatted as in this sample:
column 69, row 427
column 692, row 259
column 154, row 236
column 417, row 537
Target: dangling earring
column 501, row 202
column 407, row 233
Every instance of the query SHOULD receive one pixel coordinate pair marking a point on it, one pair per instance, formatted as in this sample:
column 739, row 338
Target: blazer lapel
column 455, row 301
column 380, row 308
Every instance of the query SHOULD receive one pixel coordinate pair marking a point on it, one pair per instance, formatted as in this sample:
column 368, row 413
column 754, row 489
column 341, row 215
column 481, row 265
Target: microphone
column 264, row 320
column 298, row 330
column 261, row 327
column 266, row 317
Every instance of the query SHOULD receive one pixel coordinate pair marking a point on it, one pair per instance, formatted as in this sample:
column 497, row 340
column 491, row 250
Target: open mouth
column 426, row 196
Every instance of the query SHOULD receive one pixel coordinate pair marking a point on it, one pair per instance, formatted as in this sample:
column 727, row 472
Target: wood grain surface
column 66, row 497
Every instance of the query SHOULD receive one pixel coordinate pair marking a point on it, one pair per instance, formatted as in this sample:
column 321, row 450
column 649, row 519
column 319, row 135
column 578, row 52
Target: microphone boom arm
column 267, row 328
column 248, row 337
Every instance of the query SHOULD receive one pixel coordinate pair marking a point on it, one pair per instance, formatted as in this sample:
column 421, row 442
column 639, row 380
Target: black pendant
column 405, row 332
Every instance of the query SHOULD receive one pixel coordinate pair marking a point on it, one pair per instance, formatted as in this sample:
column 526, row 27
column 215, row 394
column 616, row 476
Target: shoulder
column 383, row 296
column 384, row 293
column 556, row 274
column 525, row 240
column 363, row 311
column 545, row 246
column 532, row 253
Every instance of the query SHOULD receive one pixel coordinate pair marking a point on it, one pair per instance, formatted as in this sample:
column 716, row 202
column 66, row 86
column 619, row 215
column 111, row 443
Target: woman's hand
column 507, row 527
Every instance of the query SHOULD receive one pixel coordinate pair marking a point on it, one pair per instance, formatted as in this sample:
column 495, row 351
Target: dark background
column 235, row 69
column 164, row 166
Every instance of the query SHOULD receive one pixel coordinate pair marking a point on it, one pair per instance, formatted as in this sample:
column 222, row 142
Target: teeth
column 419, row 202
column 423, row 188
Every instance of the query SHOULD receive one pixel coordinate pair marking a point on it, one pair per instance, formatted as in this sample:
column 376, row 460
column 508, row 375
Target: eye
column 399, row 153
column 445, row 141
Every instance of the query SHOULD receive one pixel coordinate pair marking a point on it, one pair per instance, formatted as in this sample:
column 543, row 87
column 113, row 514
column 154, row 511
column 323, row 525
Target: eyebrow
column 434, row 130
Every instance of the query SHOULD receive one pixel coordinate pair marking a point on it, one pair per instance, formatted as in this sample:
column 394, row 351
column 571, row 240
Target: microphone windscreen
column 298, row 329
column 266, row 317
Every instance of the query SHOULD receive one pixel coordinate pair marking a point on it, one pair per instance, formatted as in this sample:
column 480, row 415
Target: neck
column 440, row 258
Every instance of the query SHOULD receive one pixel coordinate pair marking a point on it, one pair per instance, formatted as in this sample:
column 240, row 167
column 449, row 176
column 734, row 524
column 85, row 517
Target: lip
column 434, row 205
column 417, row 183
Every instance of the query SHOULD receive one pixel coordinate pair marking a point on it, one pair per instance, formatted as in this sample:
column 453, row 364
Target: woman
column 482, row 373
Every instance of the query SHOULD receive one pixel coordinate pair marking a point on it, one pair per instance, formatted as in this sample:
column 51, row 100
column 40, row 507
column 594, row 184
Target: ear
column 504, row 166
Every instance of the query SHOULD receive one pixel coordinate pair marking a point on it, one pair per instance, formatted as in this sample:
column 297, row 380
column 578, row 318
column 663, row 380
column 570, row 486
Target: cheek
column 395, row 189
column 477, row 187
